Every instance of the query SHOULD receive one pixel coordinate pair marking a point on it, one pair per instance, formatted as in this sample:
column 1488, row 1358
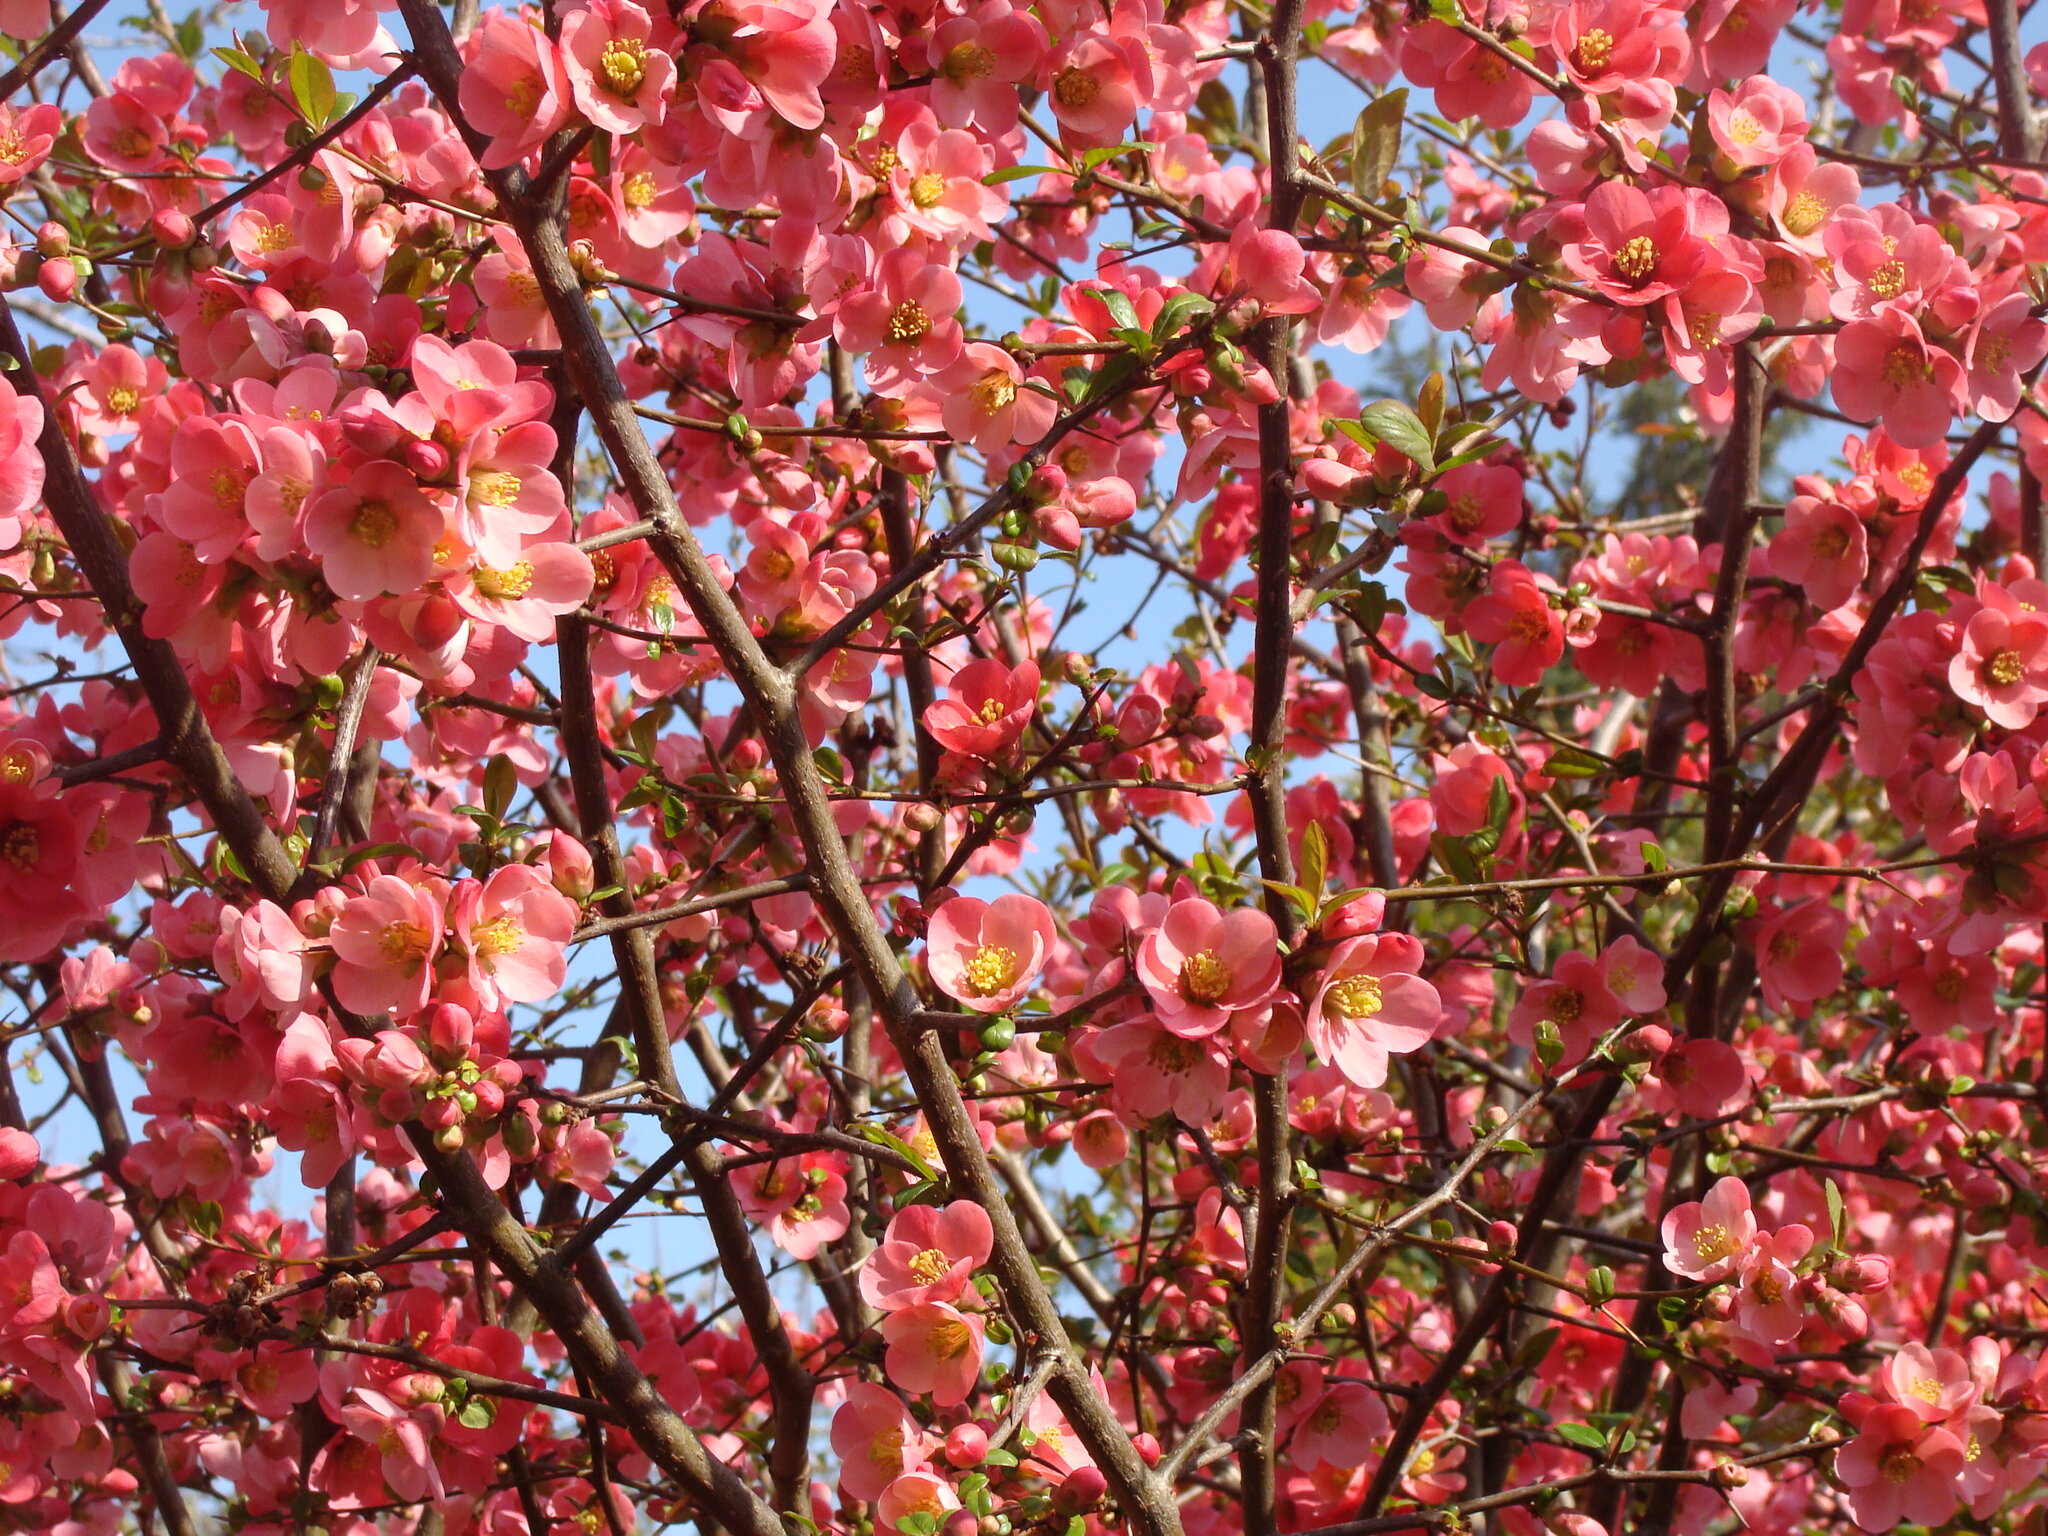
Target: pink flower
column 1201, row 964
column 513, row 88
column 514, row 927
column 1155, row 1073
column 1886, row 371
column 1371, row 1004
column 1824, row 547
column 1704, row 1076
column 2005, row 342
column 1517, row 619
column 385, row 940
column 985, row 955
column 983, row 400
column 906, row 320
column 617, row 78
column 1759, row 124
column 1934, row 1383
column 1481, row 502
column 1799, row 953
column 2001, row 665
column 876, row 1440
column 1766, row 1298
column 1704, row 1240
column 977, row 59
column 928, row 1255
column 1094, row 90
column 987, row 708
column 1575, row 1000
column 934, row 1348
column 1339, row 1430
column 1639, row 244
column 26, row 134
column 375, row 533
column 1899, row 1468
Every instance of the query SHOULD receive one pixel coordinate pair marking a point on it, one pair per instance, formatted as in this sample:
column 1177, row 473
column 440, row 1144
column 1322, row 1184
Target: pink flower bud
column 962, row 1522
column 966, row 1444
column 87, row 1316
column 58, row 280
column 172, row 229
column 570, row 867
column 1082, row 1490
column 1364, row 914
column 53, row 240
column 1147, row 1447
column 428, row 460
column 19, row 1153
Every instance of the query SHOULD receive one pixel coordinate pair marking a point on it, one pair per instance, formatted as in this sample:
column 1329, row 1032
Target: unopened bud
column 58, row 280
column 53, row 240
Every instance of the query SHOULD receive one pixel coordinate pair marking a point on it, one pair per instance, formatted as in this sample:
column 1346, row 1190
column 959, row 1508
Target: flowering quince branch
column 1505, row 995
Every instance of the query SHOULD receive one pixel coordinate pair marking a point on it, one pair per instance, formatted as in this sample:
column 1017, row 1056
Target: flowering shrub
column 870, row 768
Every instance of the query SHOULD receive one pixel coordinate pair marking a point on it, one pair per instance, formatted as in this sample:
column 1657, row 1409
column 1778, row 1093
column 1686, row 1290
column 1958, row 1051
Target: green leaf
column 998, row 1457
column 1180, row 310
column 312, row 84
column 1838, row 1213
column 1015, row 173
column 1118, row 303
column 1513, row 1144
column 478, row 1413
column 894, row 1143
column 1584, row 1435
column 500, row 781
column 1455, row 855
column 1573, row 763
column 1376, row 143
column 1500, row 804
column 239, row 62
column 1401, row 429
column 1315, row 860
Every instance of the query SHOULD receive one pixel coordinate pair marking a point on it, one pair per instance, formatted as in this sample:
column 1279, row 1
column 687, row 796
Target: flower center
column 950, row 1340
column 1714, row 1242
column 1204, row 978
column 1595, row 49
column 908, row 322
column 1832, row 542
column 1926, row 1388
column 1637, row 259
column 21, row 846
column 1900, row 1465
column 638, row 190
column 494, row 487
column 969, row 61
column 930, row 1266
column 991, row 969
column 1903, row 366
column 122, row 400
column 1744, row 128
column 402, row 942
column 507, row 585
column 1170, row 1053
column 1803, row 215
column 623, row 65
column 500, row 936
column 927, row 188
column 1356, row 997
column 1889, row 280
column 1075, row 88
column 2004, row 669
column 993, row 391
column 373, row 524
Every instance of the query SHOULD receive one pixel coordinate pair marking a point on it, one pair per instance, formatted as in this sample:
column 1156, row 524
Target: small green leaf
column 1015, row 173
column 1838, row 1213
column 1401, row 429
column 312, row 84
column 1120, row 308
column 1583, row 1435
column 1573, row 763
column 1376, row 143
column 500, row 781
column 239, row 62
